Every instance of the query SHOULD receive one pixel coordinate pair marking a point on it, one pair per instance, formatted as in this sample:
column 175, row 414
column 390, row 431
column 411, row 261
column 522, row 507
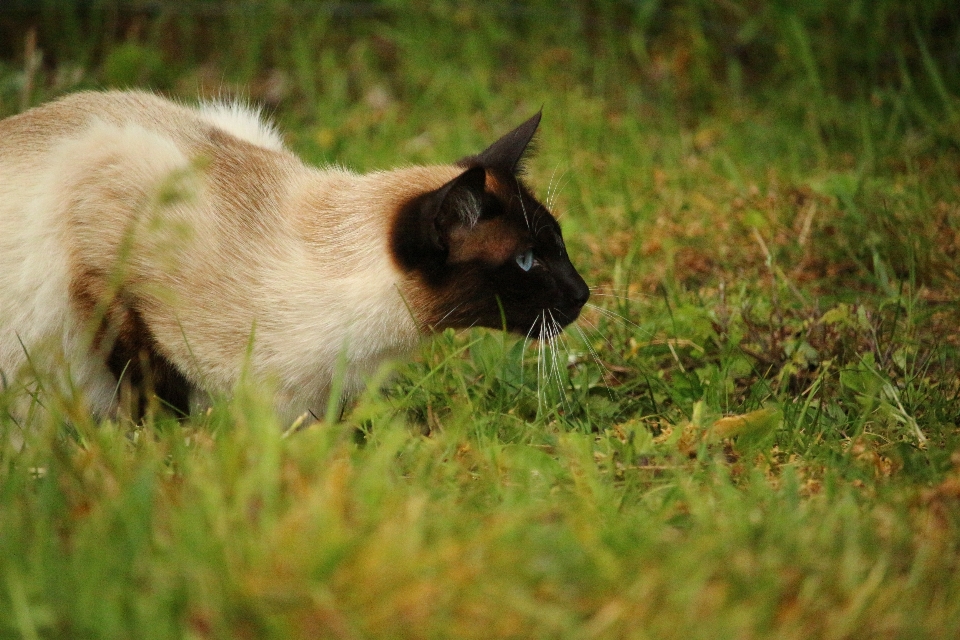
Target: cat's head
column 485, row 252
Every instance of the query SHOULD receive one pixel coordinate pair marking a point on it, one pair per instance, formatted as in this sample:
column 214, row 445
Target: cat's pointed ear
column 458, row 203
column 508, row 152
column 430, row 230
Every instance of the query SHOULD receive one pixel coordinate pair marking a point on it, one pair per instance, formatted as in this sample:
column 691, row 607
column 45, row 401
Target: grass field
column 752, row 432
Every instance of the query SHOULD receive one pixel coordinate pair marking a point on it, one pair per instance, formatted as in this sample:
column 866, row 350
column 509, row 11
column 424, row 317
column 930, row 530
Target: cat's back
column 129, row 140
column 35, row 131
column 115, row 138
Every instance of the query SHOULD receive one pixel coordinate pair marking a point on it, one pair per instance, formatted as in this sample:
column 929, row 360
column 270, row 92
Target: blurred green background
column 693, row 55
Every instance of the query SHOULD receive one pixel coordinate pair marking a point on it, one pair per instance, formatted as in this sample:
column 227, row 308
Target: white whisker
column 596, row 358
column 552, row 189
column 447, row 314
column 523, row 350
column 596, row 330
column 572, row 357
column 616, row 296
column 550, row 185
column 616, row 316
column 557, row 191
column 556, row 330
column 539, row 365
column 523, row 207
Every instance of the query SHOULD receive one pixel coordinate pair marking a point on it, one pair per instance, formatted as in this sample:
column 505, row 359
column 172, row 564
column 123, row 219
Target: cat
column 164, row 249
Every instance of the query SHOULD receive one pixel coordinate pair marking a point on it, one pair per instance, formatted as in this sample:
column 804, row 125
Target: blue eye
column 525, row 259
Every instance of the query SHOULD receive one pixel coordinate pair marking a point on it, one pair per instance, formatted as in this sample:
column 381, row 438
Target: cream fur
column 222, row 234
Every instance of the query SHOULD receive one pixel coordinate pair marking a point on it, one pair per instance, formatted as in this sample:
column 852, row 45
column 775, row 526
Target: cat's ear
column 457, row 204
column 430, row 228
column 508, row 152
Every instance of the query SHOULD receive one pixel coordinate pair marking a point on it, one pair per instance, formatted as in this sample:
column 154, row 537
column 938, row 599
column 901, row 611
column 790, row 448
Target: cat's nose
column 581, row 294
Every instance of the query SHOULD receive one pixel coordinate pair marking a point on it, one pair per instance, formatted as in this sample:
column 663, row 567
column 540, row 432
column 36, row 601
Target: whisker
column 557, row 191
column 523, row 207
column 651, row 340
column 552, row 345
column 561, row 390
column 540, row 364
column 617, row 296
column 623, row 292
column 596, row 329
column 573, row 357
column 553, row 339
column 550, row 186
column 523, row 350
column 608, row 287
column 546, row 361
column 562, row 181
column 553, row 187
column 616, row 316
column 596, row 358
column 447, row 314
column 557, row 342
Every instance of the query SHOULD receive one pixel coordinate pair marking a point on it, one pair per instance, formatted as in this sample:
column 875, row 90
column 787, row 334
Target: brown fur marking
column 131, row 352
column 492, row 242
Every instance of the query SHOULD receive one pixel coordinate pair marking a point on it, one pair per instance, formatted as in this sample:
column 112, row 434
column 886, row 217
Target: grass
column 772, row 240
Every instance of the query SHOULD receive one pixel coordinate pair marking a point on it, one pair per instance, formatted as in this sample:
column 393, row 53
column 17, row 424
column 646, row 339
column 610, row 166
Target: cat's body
column 171, row 247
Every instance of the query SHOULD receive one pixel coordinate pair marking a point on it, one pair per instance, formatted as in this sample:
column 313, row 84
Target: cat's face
column 486, row 252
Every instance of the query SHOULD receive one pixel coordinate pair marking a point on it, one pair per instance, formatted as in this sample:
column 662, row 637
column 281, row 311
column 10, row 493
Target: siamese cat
column 165, row 249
